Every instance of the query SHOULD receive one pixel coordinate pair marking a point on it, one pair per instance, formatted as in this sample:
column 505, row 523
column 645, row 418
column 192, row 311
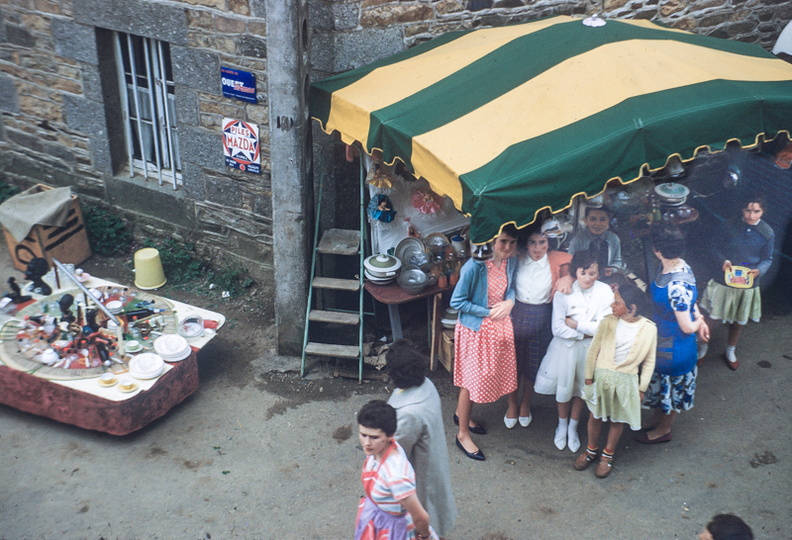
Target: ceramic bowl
column 382, row 266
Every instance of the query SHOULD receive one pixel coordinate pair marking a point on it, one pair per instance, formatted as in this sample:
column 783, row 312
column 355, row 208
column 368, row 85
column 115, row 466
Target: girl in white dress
column 576, row 317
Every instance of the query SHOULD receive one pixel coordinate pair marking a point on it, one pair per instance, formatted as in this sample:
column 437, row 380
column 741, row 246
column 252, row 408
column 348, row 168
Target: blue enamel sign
column 238, row 84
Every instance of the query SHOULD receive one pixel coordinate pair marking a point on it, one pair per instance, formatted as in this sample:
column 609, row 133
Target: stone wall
column 351, row 33
column 55, row 126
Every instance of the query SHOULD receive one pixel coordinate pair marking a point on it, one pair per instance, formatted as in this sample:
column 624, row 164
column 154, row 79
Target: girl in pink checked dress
column 485, row 365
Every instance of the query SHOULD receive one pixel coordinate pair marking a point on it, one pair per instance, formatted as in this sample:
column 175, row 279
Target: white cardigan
column 588, row 314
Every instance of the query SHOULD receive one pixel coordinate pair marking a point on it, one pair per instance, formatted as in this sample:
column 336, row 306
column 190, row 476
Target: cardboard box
column 68, row 244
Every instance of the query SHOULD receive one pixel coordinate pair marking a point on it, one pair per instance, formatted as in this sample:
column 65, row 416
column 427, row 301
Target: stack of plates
column 378, row 280
column 172, row 347
column 449, row 318
column 146, row 366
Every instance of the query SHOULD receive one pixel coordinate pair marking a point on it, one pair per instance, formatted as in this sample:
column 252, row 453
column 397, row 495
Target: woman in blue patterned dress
column 673, row 385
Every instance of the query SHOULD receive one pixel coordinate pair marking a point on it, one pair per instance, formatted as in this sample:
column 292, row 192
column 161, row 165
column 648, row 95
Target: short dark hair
column 668, row 240
column 582, row 259
column 406, row 365
column 757, row 198
column 377, row 414
column 729, row 527
column 509, row 230
column 633, row 296
column 590, row 209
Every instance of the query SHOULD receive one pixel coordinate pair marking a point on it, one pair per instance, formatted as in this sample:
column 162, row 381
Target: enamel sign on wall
column 238, row 84
column 241, row 145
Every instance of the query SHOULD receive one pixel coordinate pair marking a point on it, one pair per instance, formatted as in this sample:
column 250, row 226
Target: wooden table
column 393, row 295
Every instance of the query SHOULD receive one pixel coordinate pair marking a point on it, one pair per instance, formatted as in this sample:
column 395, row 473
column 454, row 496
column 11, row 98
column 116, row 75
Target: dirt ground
column 258, row 453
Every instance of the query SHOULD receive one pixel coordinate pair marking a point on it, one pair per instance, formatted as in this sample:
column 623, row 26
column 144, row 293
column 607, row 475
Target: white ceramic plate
column 114, row 305
column 146, row 366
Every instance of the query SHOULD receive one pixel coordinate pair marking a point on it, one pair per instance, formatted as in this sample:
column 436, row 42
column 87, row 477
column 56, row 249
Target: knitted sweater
column 602, row 351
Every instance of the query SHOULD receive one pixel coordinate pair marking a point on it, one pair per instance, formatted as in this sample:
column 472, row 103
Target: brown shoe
column 585, row 459
column 603, row 467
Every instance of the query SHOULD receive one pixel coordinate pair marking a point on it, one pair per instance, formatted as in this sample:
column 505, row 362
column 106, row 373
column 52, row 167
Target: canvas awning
column 510, row 120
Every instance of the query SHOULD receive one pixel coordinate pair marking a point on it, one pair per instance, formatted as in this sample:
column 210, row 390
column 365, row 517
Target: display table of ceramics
column 126, row 388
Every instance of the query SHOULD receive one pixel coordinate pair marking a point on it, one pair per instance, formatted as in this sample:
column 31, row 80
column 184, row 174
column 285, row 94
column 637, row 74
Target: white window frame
column 151, row 139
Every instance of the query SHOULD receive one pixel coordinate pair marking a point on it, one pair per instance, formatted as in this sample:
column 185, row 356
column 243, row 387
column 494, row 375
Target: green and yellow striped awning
column 510, row 120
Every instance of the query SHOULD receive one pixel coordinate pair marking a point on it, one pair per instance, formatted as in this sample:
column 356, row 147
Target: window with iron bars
column 149, row 120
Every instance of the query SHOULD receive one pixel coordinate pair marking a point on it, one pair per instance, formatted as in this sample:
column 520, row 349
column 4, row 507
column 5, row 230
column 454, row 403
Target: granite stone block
column 74, row 41
column 161, row 21
column 196, row 69
column 9, row 101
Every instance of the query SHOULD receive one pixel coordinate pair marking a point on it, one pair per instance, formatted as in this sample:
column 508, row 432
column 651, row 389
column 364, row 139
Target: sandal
column 585, row 459
column 604, row 466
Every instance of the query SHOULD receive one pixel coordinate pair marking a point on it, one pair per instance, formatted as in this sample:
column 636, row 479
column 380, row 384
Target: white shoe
column 510, row 422
column 525, row 421
column 560, row 439
column 573, row 440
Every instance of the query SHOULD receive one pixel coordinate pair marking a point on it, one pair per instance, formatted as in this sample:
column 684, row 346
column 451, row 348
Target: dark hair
column 509, row 230
column 745, row 200
column 633, row 296
column 729, row 527
column 377, row 414
column 582, row 259
column 527, row 232
column 668, row 240
column 406, row 365
column 590, row 209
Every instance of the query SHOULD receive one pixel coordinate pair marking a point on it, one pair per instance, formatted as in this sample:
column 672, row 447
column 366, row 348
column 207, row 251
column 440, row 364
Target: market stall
column 62, row 357
column 545, row 119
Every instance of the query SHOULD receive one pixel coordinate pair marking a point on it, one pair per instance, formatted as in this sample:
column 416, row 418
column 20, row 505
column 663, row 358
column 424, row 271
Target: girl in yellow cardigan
column 625, row 343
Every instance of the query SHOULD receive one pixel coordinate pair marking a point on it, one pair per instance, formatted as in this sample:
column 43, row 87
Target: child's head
column 584, row 268
column 534, row 242
column 406, row 365
column 377, row 414
column 668, row 241
column 726, row 527
column 630, row 301
column 752, row 208
column 596, row 220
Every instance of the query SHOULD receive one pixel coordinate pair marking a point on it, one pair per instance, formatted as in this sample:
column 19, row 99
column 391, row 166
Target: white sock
column 572, row 437
column 730, row 353
column 560, row 438
column 702, row 349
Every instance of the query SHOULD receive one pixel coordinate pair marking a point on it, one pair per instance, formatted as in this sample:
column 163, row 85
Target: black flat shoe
column 478, row 429
column 478, row 455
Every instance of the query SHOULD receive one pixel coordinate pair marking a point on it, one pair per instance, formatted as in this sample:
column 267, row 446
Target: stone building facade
column 62, row 111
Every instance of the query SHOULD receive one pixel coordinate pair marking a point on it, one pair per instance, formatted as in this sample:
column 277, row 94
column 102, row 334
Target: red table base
column 44, row 398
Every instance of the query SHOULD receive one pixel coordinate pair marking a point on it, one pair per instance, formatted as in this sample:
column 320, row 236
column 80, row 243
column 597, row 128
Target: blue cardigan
column 470, row 293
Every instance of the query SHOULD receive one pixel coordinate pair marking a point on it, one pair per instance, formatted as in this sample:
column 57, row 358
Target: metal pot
column 671, row 193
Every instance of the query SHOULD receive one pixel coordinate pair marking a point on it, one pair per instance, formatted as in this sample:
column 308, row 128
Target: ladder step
column 338, row 317
column 336, row 284
column 329, row 349
column 339, row 242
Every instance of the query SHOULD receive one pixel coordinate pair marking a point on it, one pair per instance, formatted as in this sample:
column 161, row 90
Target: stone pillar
column 290, row 162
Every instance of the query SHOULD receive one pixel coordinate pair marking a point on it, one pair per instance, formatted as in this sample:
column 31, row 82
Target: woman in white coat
column 576, row 317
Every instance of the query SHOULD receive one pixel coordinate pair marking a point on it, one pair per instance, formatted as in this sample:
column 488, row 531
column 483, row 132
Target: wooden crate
column 68, row 244
column 446, row 353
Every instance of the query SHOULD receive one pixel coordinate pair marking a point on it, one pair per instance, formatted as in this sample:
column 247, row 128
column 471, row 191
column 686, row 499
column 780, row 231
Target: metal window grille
column 152, row 138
